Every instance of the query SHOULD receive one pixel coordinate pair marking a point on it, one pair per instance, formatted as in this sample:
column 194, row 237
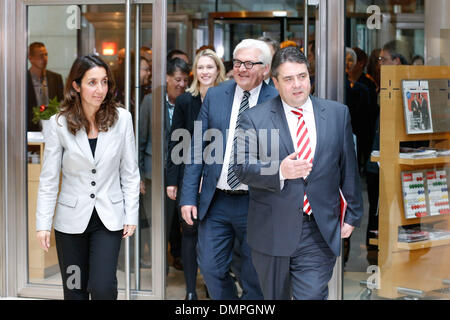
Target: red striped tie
column 303, row 147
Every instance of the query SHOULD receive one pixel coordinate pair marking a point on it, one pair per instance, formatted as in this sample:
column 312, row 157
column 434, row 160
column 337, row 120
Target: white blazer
column 109, row 182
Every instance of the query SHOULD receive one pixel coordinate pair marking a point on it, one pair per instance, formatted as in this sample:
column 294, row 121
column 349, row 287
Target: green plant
column 44, row 112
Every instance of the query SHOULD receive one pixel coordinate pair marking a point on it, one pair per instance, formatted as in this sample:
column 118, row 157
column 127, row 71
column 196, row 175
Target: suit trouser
column 226, row 220
column 88, row 261
column 304, row 275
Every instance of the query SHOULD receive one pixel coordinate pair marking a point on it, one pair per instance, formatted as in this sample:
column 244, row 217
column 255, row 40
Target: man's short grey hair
column 265, row 57
column 351, row 52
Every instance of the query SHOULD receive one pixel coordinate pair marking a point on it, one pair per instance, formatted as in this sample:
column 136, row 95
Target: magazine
column 416, row 104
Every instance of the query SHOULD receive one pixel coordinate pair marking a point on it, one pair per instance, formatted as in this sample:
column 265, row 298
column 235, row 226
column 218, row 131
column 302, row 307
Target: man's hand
column 142, row 187
column 172, row 192
column 188, row 213
column 346, row 230
column 291, row 168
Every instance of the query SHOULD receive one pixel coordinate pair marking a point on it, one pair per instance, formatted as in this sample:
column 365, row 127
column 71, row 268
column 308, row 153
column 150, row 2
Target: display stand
column 41, row 264
column 423, row 266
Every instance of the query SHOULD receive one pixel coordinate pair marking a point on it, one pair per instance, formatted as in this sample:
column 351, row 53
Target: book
column 416, row 106
column 417, row 153
column 412, row 235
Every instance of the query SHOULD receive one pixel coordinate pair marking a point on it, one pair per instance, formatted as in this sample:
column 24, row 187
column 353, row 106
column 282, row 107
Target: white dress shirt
column 253, row 100
column 292, row 120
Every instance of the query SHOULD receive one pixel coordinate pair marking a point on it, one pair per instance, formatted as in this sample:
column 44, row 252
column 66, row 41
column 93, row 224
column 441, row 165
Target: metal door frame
column 13, row 166
column 330, row 76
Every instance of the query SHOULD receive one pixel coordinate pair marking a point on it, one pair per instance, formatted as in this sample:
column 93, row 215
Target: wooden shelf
column 422, row 244
column 420, row 265
column 418, row 162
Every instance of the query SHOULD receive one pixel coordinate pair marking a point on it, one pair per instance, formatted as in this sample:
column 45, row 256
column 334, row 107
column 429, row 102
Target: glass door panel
column 60, row 34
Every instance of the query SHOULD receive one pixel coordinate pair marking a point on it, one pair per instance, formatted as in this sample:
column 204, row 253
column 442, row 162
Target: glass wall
column 398, row 93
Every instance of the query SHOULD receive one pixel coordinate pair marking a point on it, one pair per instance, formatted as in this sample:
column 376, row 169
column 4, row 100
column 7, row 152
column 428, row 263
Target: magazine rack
column 417, row 267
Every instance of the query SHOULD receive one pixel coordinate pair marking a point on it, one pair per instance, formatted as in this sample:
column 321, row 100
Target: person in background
column 228, row 69
column 204, row 47
column 393, row 54
column 371, row 110
column 146, row 52
column 91, row 142
column 42, row 85
column 144, row 76
column 312, row 64
column 373, row 67
column 274, row 46
column 176, row 80
column 288, row 43
column 176, row 53
column 357, row 95
column 417, row 61
column 208, row 71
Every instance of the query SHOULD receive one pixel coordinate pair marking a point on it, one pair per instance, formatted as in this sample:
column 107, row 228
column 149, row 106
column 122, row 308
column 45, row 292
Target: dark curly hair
column 71, row 107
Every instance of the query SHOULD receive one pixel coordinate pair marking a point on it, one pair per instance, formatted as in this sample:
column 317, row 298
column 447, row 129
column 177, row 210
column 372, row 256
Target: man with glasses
column 221, row 210
column 390, row 54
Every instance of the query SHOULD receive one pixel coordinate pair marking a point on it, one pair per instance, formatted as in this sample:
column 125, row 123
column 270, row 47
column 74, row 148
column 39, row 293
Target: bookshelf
column 423, row 265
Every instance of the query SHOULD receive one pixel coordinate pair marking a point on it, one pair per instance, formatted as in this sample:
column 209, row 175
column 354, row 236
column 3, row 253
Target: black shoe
column 177, row 264
column 191, row 296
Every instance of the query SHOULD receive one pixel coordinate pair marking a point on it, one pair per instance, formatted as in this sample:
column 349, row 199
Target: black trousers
column 88, row 261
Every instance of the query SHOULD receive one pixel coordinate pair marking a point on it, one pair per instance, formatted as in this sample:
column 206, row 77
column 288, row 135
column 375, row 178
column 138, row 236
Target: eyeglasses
column 247, row 64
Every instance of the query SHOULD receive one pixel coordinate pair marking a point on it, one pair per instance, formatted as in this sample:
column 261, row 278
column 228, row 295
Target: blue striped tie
column 232, row 180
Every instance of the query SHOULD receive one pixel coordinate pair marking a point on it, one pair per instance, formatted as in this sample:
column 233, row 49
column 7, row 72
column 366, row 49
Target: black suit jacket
column 186, row 111
column 55, row 89
column 275, row 215
column 145, row 135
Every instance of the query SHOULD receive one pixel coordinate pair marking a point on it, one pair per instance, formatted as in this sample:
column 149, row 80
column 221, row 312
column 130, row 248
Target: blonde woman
column 208, row 71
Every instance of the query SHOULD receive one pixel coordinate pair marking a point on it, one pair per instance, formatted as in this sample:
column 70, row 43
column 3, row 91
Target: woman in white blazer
column 91, row 142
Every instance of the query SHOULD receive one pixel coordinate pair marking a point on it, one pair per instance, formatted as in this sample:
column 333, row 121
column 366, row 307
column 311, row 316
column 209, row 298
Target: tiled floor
column 355, row 271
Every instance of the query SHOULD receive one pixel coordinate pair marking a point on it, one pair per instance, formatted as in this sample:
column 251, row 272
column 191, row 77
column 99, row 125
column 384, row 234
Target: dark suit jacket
column 186, row 111
column 145, row 136
column 55, row 89
column 215, row 113
column 275, row 216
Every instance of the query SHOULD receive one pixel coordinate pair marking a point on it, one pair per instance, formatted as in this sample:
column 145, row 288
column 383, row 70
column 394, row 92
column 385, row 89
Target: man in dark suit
column 416, row 107
column 223, row 203
column 425, row 115
column 42, row 84
column 293, row 218
column 177, row 74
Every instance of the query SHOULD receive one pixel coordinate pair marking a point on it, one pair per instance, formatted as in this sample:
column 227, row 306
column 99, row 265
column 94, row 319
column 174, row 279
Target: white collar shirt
column 253, row 100
column 292, row 120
